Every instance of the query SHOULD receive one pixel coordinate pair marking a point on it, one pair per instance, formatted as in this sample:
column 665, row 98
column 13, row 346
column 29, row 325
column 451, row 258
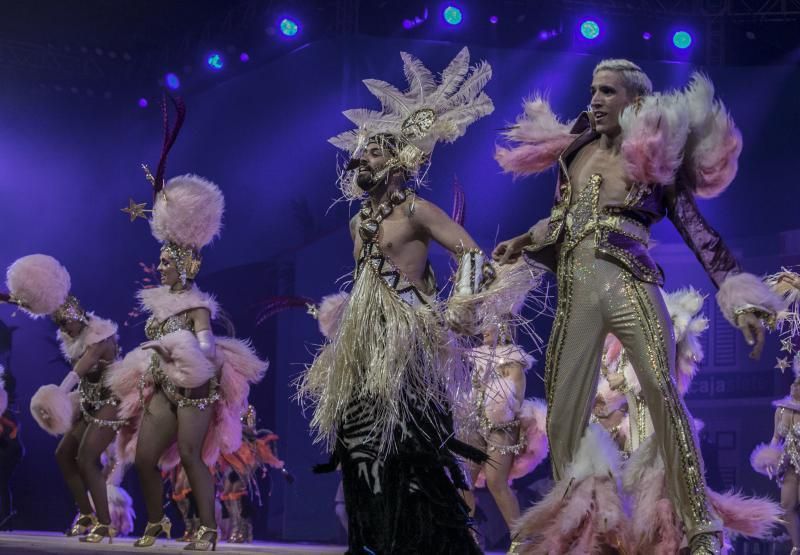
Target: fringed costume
column 382, row 386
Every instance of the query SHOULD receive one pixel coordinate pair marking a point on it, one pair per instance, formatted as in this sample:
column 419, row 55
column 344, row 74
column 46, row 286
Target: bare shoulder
column 201, row 317
column 424, row 211
column 354, row 226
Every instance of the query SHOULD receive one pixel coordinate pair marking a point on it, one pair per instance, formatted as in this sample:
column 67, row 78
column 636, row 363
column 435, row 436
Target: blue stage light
column 682, row 40
column 143, row 103
column 646, row 36
column 172, row 81
column 452, row 15
column 288, row 27
column 493, row 19
column 590, row 29
column 215, row 61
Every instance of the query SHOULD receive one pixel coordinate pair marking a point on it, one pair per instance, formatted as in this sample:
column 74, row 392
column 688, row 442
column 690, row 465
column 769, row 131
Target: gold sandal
column 99, row 532
column 82, row 524
column 152, row 531
column 199, row 543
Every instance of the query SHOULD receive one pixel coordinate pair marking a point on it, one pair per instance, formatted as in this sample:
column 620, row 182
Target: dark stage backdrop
column 67, row 168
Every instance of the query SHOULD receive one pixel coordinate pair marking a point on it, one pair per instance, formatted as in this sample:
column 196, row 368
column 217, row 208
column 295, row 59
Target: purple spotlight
column 142, row 103
column 493, row 19
column 244, row 57
column 408, row 24
column 647, row 36
column 544, row 35
column 172, row 81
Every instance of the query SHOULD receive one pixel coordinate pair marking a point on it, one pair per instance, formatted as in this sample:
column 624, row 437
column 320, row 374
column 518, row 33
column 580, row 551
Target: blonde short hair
column 635, row 79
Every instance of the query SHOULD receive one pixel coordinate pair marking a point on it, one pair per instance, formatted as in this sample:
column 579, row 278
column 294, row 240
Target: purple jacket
column 623, row 233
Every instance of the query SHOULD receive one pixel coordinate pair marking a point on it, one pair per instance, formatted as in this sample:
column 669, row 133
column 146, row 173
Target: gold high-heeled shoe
column 82, row 524
column 152, row 531
column 514, row 549
column 202, row 543
column 99, row 532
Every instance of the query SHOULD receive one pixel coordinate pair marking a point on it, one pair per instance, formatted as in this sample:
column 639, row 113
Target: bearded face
column 371, row 166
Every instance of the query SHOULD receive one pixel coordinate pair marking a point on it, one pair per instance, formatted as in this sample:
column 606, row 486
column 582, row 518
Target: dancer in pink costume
column 780, row 458
column 185, row 389
column 87, row 418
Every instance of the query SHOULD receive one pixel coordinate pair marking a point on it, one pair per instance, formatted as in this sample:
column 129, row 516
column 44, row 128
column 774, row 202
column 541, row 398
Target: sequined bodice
column 581, row 219
column 155, row 329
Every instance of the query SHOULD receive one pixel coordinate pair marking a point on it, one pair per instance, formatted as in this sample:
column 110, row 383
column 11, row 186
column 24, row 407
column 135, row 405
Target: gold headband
column 70, row 311
column 187, row 260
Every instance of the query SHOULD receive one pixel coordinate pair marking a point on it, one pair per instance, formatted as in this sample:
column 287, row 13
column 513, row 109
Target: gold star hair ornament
column 782, row 364
column 786, row 345
column 136, row 210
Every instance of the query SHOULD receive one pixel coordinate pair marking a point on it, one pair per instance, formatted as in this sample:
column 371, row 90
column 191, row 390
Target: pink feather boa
column 541, row 139
column 655, row 524
column 533, row 419
column 653, row 136
column 329, row 313
column 240, row 368
column 583, row 513
column 714, row 144
column 765, row 459
column 189, row 367
column 743, row 290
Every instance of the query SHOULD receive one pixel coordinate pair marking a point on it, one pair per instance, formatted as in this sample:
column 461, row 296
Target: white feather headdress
column 431, row 110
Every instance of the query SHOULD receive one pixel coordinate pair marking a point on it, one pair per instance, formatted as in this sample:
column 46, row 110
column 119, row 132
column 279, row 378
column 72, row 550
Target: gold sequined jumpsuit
column 598, row 296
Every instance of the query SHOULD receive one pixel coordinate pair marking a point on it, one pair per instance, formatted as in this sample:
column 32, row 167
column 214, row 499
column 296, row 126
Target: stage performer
column 184, row 385
column 510, row 428
column 780, row 459
column 634, row 158
column 382, row 386
column 40, row 285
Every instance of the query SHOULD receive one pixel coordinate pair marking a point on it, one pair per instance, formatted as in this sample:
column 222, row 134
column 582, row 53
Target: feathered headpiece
column 40, row 285
column 410, row 123
column 187, row 209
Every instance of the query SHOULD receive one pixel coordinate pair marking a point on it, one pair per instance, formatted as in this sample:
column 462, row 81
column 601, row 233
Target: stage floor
column 56, row 544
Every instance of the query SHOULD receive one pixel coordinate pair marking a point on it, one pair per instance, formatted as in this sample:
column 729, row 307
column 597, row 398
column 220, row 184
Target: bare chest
column 591, row 161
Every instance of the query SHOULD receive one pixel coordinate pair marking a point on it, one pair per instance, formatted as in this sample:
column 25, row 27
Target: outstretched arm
column 743, row 299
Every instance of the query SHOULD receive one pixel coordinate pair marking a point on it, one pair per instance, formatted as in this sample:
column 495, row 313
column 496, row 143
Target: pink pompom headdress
column 187, row 209
column 40, row 285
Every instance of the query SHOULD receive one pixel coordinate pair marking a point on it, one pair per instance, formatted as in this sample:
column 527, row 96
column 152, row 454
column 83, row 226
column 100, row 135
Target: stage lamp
column 289, row 27
column 172, row 81
column 452, row 15
column 682, row 40
column 590, row 29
